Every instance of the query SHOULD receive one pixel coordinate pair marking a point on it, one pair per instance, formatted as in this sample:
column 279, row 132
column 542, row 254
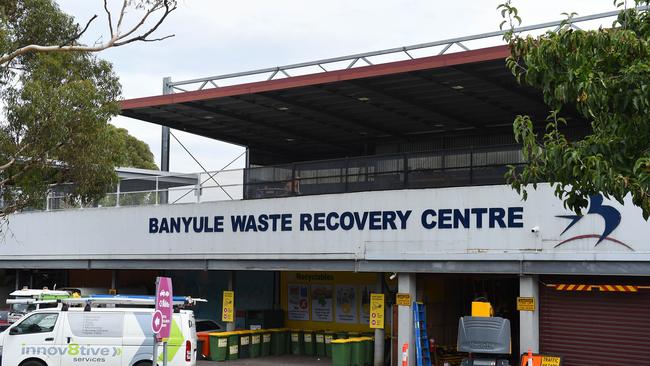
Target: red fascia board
column 459, row 58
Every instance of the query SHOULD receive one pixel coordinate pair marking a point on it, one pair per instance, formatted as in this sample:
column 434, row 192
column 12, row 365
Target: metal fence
column 431, row 169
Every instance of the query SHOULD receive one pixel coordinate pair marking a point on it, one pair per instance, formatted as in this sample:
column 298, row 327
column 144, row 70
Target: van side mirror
column 13, row 331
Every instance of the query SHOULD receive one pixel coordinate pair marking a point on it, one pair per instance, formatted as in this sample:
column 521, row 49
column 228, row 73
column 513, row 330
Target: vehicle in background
column 27, row 300
column 203, row 329
column 207, row 325
column 4, row 320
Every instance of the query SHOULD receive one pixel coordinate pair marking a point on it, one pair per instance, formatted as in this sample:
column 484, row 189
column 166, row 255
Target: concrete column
column 380, row 333
column 231, row 287
column 529, row 320
column 405, row 331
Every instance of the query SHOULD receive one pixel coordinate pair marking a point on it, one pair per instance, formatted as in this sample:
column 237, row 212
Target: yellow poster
column 377, row 311
column 228, row 312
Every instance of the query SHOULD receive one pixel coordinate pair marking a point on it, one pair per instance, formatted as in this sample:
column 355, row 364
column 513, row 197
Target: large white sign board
column 455, row 223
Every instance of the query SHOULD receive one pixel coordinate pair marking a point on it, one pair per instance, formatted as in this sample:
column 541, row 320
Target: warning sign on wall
column 526, row 304
column 377, row 311
column 228, row 311
column 403, row 299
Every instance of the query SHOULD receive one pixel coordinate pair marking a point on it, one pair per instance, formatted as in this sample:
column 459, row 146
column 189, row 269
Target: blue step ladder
column 422, row 354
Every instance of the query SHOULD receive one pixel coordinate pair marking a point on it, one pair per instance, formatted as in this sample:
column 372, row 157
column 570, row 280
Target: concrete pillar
column 380, row 333
column 529, row 320
column 405, row 331
column 230, row 326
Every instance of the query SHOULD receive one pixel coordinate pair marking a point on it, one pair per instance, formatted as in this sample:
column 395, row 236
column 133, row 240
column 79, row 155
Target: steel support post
column 230, row 326
column 529, row 320
column 405, row 329
column 380, row 333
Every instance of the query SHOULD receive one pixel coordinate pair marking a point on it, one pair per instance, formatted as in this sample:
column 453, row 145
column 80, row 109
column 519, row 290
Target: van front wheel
column 143, row 363
column 32, row 363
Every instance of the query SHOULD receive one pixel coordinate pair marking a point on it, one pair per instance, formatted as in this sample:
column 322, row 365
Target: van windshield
column 22, row 308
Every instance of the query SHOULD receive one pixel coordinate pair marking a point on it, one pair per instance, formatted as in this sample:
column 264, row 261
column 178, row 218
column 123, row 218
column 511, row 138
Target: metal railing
column 430, row 169
column 371, row 58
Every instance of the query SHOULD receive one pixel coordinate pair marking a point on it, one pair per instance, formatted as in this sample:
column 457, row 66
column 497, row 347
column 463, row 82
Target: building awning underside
column 346, row 112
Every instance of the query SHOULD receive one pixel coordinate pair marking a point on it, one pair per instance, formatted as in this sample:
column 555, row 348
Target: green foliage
column 133, row 153
column 56, row 111
column 605, row 75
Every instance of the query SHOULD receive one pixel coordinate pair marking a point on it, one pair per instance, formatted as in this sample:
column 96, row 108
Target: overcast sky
column 214, row 37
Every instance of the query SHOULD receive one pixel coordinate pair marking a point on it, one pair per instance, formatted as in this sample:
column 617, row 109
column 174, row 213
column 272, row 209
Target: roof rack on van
column 135, row 300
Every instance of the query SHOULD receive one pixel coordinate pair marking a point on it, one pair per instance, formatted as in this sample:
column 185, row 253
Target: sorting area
column 335, row 348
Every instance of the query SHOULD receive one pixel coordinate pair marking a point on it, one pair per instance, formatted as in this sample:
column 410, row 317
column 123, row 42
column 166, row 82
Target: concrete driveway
column 273, row 361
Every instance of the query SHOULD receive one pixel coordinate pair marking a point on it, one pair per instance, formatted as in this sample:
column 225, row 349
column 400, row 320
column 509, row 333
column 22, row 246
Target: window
column 36, row 323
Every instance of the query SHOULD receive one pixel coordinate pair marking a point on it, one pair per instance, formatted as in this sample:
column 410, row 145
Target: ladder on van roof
column 132, row 300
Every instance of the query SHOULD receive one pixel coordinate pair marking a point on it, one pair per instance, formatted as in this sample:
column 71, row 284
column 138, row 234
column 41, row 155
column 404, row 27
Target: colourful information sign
column 161, row 321
column 228, row 311
column 377, row 311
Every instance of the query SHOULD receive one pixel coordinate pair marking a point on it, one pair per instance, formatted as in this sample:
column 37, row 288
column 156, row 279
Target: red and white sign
column 161, row 321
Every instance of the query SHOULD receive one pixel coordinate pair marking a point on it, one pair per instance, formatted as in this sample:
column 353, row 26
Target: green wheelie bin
column 277, row 342
column 244, row 343
column 296, row 342
column 308, row 343
column 256, row 344
column 219, row 346
column 357, row 352
column 233, row 345
column 329, row 337
column 320, row 343
column 266, row 343
column 341, row 352
column 284, row 345
column 369, row 346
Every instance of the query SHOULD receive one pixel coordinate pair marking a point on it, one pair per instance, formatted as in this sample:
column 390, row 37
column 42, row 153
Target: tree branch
column 78, row 35
column 117, row 38
column 110, row 20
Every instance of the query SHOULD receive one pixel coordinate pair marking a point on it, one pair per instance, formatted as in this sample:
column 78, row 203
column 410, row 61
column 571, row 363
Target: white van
column 101, row 336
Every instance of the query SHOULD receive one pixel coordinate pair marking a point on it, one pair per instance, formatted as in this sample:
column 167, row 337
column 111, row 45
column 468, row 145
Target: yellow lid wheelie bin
column 341, row 352
column 320, row 343
column 233, row 345
column 357, row 352
column 219, row 346
column 296, row 341
column 266, row 343
column 308, row 343
column 256, row 344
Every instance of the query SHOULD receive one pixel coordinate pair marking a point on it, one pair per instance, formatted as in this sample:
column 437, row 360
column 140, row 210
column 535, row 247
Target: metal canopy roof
column 347, row 112
column 329, row 113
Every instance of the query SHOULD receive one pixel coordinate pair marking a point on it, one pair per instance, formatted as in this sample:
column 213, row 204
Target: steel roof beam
column 341, row 118
column 265, row 124
column 373, row 104
column 463, row 92
column 235, row 140
column 409, row 101
column 292, row 112
column 521, row 93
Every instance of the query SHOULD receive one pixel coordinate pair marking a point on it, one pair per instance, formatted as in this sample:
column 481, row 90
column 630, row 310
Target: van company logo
column 610, row 215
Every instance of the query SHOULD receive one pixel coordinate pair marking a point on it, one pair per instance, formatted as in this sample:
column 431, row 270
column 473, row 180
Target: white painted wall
column 114, row 233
